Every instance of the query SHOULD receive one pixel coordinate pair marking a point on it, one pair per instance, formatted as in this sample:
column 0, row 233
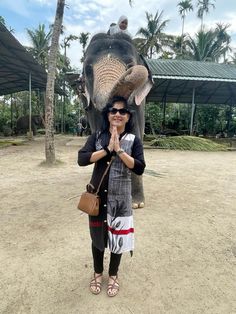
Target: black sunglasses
column 121, row 111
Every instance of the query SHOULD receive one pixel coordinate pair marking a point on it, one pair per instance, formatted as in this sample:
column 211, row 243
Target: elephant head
column 112, row 67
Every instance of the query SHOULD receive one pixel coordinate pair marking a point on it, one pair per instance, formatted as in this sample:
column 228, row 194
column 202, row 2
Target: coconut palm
column 153, row 39
column 83, row 39
column 204, row 8
column 2, row 20
column 224, row 37
column 208, row 45
column 40, row 40
column 49, row 102
column 233, row 58
column 184, row 7
column 66, row 44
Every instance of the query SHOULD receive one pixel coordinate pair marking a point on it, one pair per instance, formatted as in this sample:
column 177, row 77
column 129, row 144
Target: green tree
column 40, row 40
column 184, row 7
column 208, row 45
column 49, row 102
column 224, row 38
column 153, row 39
column 204, row 8
column 2, row 20
column 83, row 39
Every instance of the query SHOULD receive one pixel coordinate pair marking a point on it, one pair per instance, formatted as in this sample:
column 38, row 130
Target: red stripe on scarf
column 120, row 232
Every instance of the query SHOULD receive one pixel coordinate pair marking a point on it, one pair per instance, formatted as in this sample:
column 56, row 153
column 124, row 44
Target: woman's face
column 123, row 25
column 118, row 116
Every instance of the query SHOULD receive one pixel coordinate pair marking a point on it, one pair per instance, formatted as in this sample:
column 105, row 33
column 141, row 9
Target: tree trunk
column 182, row 36
column 49, row 102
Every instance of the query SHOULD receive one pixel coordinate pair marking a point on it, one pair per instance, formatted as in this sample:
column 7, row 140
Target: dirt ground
column 185, row 253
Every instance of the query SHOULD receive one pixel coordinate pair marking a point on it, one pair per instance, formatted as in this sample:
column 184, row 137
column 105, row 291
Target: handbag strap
column 105, row 172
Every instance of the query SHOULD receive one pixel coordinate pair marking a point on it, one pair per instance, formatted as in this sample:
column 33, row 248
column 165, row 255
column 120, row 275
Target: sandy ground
column 185, row 255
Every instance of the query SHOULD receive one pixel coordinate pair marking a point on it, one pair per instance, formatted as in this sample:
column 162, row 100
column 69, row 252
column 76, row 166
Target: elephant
column 112, row 67
column 22, row 124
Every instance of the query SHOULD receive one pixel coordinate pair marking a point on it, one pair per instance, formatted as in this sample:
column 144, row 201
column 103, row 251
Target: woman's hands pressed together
column 114, row 143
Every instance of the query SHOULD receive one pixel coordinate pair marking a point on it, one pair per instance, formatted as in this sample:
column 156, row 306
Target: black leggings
column 98, row 262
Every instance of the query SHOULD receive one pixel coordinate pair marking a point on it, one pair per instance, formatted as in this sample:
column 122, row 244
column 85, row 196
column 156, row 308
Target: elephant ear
column 139, row 94
column 86, row 95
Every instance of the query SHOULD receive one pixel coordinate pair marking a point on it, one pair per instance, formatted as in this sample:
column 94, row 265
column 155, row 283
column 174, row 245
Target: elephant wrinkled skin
column 112, row 67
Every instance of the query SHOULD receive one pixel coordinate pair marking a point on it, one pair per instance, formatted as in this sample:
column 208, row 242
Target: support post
column 30, row 133
column 192, row 111
column 164, row 114
column 11, row 117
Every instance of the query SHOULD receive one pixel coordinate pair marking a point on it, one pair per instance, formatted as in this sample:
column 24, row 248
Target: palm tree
column 208, row 45
column 2, row 20
column 66, row 44
column 204, row 7
column 184, row 7
column 40, row 41
column 49, row 102
column 83, row 39
column 233, row 58
column 153, row 39
column 224, row 37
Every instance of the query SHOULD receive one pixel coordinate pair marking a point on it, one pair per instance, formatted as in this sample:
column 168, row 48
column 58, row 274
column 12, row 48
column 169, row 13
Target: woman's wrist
column 107, row 150
column 120, row 151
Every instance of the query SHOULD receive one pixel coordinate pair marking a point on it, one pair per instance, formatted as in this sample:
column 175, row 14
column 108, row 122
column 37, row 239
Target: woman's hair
column 106, row 109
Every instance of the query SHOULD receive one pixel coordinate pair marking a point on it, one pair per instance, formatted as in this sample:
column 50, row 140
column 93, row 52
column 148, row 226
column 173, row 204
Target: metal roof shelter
column 18, row 67
column 184, row 81
column 214, row 83
column 175, row 81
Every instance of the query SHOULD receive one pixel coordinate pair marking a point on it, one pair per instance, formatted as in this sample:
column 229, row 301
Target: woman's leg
column 97, row 260
column 113, row 285
column 96, row 282
column 114, row 264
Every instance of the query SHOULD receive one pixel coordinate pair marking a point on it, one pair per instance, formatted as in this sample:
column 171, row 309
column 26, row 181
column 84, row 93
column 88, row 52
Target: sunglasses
column 121, row 111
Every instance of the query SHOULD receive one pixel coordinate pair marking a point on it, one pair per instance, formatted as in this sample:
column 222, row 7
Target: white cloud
column 96, row 15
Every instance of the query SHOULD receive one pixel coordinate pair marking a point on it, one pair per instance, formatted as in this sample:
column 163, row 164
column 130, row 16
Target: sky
column 95, row 16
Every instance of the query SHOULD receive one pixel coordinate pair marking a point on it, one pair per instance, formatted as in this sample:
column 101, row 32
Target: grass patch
column 4, row 143
column 188, row 143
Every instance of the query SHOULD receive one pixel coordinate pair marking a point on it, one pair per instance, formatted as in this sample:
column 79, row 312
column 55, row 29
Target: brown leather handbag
column 89, row 201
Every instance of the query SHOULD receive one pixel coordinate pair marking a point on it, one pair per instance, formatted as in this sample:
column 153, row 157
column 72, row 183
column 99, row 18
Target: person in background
column 120, row 27
column 111, row 25
column 113, row 227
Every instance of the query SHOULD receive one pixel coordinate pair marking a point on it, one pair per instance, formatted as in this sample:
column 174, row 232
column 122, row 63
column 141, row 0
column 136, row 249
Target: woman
column 113, row 228
column 120, row 27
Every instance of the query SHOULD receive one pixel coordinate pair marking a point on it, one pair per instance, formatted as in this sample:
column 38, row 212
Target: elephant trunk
column 131, row 81
column 107, row 71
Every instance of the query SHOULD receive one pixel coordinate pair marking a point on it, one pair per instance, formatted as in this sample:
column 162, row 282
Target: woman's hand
column 114, row 143
column 115, row 139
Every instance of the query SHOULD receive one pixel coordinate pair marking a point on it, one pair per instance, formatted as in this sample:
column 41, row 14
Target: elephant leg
column 137, row 191
column 34, row 129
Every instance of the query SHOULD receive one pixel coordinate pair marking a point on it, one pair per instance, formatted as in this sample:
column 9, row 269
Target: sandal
column 113, row 288
column 95, row 286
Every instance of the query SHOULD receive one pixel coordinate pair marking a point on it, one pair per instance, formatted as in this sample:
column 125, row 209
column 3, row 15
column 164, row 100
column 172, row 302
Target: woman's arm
column 137, row 154
column 88, row 154
column 135, row 162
